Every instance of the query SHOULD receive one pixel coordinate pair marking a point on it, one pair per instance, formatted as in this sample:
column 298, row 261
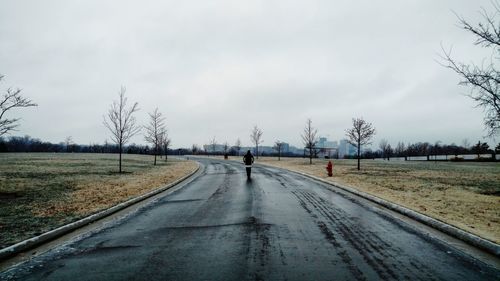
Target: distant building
column 295, row 150
column 210, row 149
column 326, row 148
column 266, row 150
column 333, row 144
column 321, row 142
column 285, row 147
column 346, row 149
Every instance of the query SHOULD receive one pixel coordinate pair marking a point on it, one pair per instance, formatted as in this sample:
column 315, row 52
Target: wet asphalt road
column 279, row 226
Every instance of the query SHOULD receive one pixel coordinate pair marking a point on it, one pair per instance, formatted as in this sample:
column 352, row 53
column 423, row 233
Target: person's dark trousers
column 249, row 170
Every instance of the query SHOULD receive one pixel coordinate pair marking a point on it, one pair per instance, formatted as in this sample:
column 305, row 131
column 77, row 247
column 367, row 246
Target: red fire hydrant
column 329, row 168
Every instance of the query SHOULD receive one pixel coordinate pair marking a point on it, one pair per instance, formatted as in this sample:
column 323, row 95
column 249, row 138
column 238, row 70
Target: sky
column 217, row 68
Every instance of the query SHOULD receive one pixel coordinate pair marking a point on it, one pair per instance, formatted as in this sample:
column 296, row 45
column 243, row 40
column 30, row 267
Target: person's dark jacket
column 248, row 159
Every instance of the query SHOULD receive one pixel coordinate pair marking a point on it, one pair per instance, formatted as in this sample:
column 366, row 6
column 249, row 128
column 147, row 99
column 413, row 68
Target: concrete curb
column 37, row 240
column 472, row 239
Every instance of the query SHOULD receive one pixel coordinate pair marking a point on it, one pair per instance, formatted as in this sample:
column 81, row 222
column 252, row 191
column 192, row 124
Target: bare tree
column 436, row 149
column 386, row 148
column 309, row 139
column 225, row 146
column 195, row 149
column 237, row 146
column 121, row 122
column 401, row 150
column 11, row 99
column 360, row 134
column 213, row 144
column 68, row 142
column 480, row 148
column 495, row 152
column 483, row 79
column 155, row 131
column 165, row 142
column 277, row 146
column 466, row 143
column 256, row 138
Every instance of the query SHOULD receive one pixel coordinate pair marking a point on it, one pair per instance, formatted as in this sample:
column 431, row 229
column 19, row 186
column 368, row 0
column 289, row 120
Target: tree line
column 452, row 151
column 30, row 144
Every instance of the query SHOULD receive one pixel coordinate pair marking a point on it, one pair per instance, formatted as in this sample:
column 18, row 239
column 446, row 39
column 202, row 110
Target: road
column 278, row 226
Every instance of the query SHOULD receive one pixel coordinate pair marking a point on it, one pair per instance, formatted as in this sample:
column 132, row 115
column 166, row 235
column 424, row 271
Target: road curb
column 60, row 231
column 472, row 239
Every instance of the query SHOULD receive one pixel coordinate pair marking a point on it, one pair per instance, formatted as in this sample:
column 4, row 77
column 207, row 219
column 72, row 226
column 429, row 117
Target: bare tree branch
column 11, row 99
column 121, row 123
column 278, row 145
column 237, row 146
column 360, row 134
column 309, row 139
column 213, row 144
column 155, row 131
column 165, row 142
column 483, row 80
column 487, row 33
column 256, row 138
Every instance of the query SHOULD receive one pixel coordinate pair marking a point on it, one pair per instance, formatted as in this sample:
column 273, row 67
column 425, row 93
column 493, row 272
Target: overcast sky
column 217, row 68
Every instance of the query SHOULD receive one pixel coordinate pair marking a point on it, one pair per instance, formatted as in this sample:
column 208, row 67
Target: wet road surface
column 279, row 226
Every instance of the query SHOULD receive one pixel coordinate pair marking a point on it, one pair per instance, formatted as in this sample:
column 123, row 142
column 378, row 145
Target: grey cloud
column 219, row 67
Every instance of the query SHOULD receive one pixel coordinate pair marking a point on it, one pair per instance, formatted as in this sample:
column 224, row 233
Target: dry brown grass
column 462, row 194
column 41, row 191
column 92, row 196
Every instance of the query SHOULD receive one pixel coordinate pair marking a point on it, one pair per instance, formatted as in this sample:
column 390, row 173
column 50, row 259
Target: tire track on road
column 377, row 253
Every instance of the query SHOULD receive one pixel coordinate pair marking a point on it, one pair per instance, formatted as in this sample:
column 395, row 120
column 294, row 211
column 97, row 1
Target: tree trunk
column 120, row 159
column 257, row 150
column 359, row 154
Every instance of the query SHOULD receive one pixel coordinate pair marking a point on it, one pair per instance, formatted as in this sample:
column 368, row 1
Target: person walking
column 248, row 160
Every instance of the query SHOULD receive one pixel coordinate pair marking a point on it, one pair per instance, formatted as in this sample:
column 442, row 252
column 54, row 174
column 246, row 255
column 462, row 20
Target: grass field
column 466, row 195
column 40, row 191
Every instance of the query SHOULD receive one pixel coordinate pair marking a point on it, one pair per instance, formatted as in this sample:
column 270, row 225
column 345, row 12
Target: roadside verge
column 55, row 233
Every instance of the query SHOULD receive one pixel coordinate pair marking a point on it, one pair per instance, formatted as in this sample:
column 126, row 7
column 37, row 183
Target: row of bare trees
column 359, row 135
column 121, row 122
column 432, row 150
column 156, row 134
column 29, row 144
